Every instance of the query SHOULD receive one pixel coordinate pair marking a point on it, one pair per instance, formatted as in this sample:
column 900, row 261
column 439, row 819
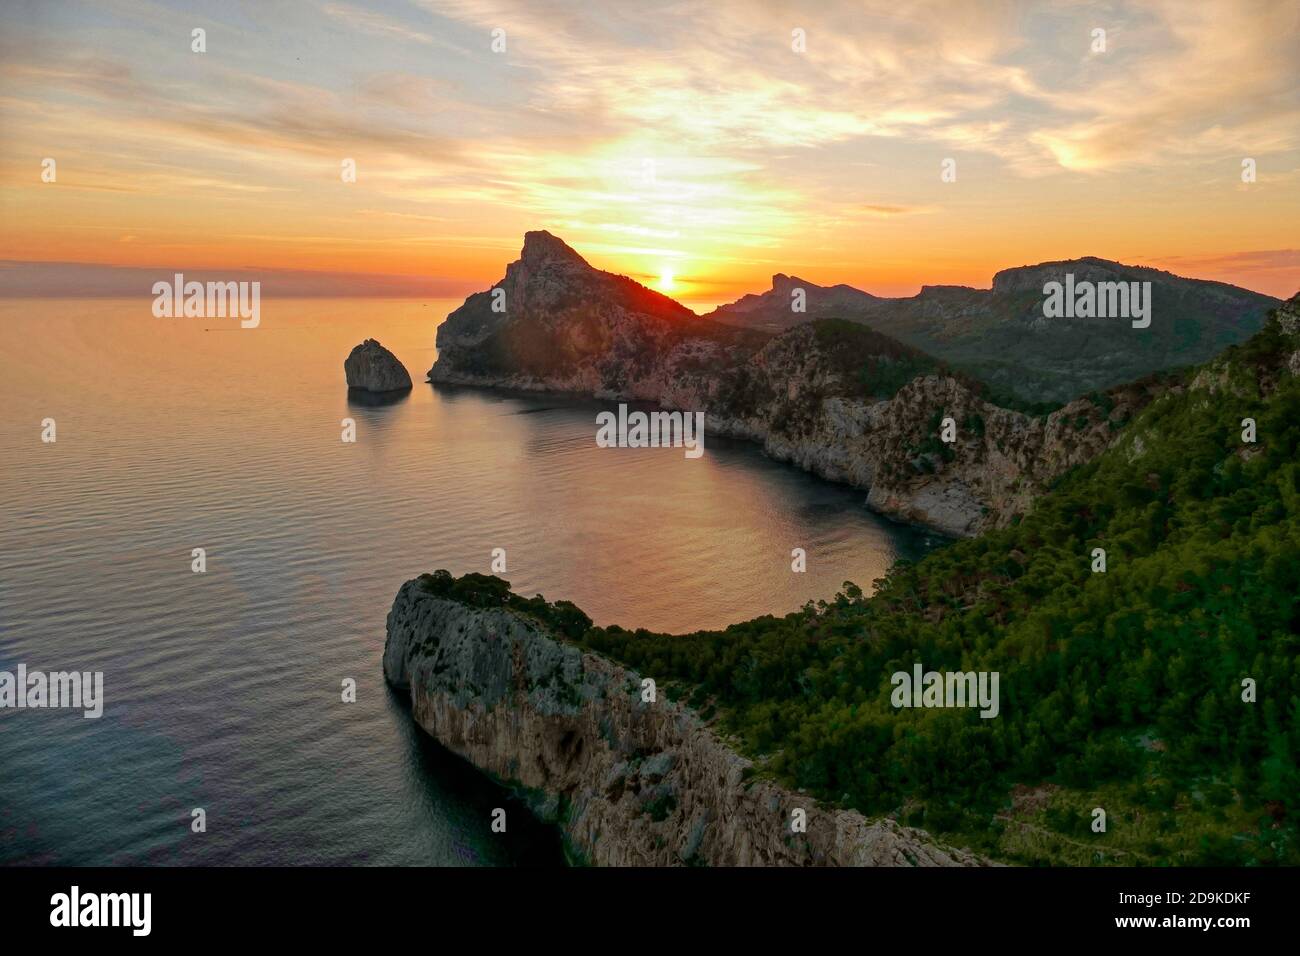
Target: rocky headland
column 834, row 397
column 630, row 782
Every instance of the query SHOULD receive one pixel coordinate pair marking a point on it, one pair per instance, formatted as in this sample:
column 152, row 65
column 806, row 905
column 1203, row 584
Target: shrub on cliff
column 488, row 591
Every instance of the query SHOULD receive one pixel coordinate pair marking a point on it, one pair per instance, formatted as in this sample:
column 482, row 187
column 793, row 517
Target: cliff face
column 631, row 783
column 839, row 400
column 806, row 405
column 555, row 323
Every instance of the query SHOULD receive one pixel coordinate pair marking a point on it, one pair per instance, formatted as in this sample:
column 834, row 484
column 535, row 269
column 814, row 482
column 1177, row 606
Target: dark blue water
column 223, row 689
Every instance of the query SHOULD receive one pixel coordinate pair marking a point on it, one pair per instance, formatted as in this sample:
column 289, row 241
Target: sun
column 666, row 283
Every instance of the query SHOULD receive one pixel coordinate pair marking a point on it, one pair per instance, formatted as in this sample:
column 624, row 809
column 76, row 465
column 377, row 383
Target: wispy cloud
column 374, row 23
column 652, row 128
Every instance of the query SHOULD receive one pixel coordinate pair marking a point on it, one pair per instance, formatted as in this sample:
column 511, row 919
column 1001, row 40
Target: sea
column 225, row 736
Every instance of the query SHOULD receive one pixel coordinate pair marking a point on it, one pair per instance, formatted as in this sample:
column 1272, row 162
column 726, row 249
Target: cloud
column 1200, row 81
column 1178, row 80
column 376, row 24
column 1274, row 272
column 751, row 142
column 1251, row 261
column 886, row 210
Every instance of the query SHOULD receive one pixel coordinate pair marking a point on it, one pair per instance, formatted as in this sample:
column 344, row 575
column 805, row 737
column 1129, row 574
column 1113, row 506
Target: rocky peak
column 839, row 296
column 1288, row 314
column 540, row 247
column 947, row 290
column 1089, row 268
column 561, row 319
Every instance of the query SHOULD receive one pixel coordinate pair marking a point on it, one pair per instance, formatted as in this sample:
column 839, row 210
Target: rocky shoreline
column 1000, row 461
column 836, row 399
column 629, row 782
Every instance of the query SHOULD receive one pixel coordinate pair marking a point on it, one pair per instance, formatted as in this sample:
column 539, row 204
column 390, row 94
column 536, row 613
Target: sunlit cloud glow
column 688, row 143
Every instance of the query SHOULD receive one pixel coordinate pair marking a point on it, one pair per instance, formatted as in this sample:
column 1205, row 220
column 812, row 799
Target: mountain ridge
column 839, row 399
column 1001, row 335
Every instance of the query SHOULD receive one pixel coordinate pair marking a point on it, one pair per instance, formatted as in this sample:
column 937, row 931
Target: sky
column 699, row 147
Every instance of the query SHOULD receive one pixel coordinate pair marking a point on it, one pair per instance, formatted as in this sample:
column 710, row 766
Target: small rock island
column 372, row 368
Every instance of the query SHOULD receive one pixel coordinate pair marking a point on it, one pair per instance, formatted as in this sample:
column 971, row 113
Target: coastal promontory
column 630, row 776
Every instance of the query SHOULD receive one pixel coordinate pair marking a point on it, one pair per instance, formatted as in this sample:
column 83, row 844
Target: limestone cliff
column 804, row 398
column 836, row 398
column 630, row 783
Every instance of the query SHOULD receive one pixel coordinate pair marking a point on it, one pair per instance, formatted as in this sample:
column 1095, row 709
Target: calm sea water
column 223, row 689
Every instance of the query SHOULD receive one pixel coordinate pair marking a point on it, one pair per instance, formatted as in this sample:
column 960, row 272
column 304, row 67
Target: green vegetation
column 485, row 590
column 661, row 807
column 876, row 366
column 1002, row 338
column 1121, row 690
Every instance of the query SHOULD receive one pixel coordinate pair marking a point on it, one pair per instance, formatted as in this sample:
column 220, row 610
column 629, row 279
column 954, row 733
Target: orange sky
column 684, row 139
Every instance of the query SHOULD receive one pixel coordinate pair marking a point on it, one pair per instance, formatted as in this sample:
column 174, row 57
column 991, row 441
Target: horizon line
column 47, row 280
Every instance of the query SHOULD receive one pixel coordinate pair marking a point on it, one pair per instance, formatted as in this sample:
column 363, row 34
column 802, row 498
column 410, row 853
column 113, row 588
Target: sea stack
column 373, row 368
